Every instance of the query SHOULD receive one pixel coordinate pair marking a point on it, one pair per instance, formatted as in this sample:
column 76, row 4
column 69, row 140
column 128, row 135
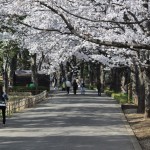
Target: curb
column 133, row 138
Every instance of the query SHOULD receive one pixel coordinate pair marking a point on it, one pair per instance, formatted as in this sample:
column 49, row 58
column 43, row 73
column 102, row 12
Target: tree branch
column 135, row 18
column 107, row 21
column 97, row 41
column 41, row 29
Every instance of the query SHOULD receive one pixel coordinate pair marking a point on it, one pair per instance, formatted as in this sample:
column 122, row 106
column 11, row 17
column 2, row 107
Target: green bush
column 121, row 98
column 109, row 92
column 91, row 87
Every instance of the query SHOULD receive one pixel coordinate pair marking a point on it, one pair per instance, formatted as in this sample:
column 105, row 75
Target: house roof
column 26, row 72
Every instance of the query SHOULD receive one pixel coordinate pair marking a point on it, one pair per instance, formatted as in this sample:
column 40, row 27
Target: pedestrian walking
column 99, row 87
column 55, row 83
column 68, row 85
column 63, row 84
column 82, row 87
column 3, row 100
column 75, row 87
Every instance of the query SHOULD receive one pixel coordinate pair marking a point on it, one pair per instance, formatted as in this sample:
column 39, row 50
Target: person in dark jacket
column 75, row 86
column 3, row 99
column 99, row 87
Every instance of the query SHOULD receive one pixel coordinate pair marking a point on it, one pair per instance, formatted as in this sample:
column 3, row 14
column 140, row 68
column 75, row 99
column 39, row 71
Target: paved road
column 70, row 122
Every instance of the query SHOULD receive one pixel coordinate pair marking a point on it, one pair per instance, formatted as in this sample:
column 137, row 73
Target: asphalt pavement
column 69, row 122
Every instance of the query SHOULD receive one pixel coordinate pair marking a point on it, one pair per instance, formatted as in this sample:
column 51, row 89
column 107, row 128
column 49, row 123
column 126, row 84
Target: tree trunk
column 34, row 71
column 41, row 61
column 135, row 82
column 102, row 78
column 112, row 84
column 13, row 66
column 69, row 73
column 147, row 92
column 62, row 69
column 91, row 74
column 5, row 74
column 100, row 75
column 138, row 87
column 82, row 71
column 141, row 93
column 116, row 80
column 5, row 81
column 98, row 72
column 129, row 84
column 147, row 68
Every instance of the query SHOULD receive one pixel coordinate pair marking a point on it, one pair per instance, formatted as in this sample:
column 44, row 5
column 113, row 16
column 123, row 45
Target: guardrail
column 18, row 105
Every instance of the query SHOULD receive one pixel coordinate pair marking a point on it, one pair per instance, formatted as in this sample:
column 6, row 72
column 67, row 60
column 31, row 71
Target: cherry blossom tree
column 57, row 29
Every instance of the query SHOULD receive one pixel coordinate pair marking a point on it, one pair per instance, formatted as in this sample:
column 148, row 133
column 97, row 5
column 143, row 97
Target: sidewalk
column 73, row 122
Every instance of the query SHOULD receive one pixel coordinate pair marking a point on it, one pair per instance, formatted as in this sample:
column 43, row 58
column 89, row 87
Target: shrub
column 121, row 98
column 91, row 87
column 109, row 92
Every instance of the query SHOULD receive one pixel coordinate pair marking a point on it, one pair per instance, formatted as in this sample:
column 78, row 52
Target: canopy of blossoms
column 110, row 31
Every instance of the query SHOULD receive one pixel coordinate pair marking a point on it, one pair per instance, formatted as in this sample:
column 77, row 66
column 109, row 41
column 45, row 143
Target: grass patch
column 108, row 92
column 91, row 87
column 121, row 98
